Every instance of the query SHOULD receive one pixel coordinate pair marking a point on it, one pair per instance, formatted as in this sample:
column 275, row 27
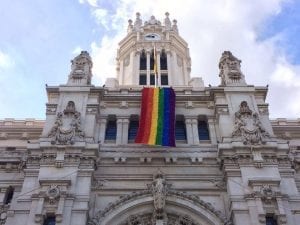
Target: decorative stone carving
column 230, row 70
column 130, row 26
column 152, row 21
column 167, row 22
column 138, row 22
column 81, row 69
column 3, row 214
column 53, row 193
column 174, row 26
column 67, row 127
column 159, row 189
column 248, row 126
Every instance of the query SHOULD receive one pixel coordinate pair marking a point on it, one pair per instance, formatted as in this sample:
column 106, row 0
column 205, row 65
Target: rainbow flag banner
column 157, row 119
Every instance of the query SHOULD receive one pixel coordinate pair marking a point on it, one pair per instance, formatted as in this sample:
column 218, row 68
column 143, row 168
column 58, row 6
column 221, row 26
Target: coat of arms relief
column 67, row 126
column 248, row 126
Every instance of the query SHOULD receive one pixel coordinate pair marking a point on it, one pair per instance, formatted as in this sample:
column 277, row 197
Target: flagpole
column 155, row 66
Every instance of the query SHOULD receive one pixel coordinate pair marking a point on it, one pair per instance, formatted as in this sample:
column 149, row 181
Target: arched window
column 133, row 128
column 49, row 220
column 9, row 195
column 203, row 132
column 111, row 129
column 180, row 131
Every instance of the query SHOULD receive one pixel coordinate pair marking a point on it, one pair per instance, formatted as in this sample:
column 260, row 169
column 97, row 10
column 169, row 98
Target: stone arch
column 141, row 203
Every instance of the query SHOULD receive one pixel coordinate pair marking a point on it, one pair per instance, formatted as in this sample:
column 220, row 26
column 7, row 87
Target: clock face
column 152, row 37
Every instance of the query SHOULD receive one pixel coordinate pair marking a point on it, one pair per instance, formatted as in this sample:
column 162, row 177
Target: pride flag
column 157, row 120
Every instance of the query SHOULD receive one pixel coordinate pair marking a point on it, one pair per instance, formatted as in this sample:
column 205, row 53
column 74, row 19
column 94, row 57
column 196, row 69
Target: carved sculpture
column 81, row 68
column 67, row 126
column 53, row 193
column 138, row 22
column 248, row 126
column 167, row 21
column 230, row 69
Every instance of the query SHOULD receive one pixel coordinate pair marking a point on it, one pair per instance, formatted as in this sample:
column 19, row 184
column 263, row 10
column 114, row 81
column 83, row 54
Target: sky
column 38, row 38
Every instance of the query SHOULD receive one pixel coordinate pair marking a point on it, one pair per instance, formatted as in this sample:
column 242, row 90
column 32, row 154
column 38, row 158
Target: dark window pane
column 163, row 61
column 270, row 220
column 180, row 133
column 143, row 61
column 50, row 220
column 133, row 128
column 9, row 195
column 203, row 130
column 152, row 61
column 111, row 130
column 164, row 79
column 143, row 79
column 152, row 79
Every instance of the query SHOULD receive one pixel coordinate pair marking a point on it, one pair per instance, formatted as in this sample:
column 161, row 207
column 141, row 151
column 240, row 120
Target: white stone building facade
column 232, row 165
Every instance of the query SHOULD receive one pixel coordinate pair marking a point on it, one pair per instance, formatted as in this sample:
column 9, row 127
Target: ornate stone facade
column 80, row 166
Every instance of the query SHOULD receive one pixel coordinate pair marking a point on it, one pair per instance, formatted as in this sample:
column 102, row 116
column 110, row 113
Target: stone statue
column 174, row 26
column 81, row 69
column 130, row 26
column 138, row 22
column 230, row 70
column 167, row 21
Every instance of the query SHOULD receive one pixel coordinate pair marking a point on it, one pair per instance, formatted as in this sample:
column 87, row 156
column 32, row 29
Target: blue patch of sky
column 39, row 36
column 287, row 24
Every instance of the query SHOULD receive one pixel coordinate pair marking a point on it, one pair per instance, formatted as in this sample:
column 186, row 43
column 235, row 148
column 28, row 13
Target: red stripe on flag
column 144, row 103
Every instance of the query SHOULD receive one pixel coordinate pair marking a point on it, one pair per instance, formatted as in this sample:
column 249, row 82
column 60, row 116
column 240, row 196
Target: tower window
column 164, row 79
column 111, row 130
column 143, row 61
column 270, row 220
column 152, row 79
column 143, row 79
column 203, row 132
column 152, row 60
column 9, row 195
column 163, row 61
column 133, row 128
column 180, row 132
column 50, row 220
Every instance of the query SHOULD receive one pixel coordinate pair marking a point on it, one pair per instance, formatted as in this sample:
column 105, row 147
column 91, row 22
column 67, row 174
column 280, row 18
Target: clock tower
column 150, row 41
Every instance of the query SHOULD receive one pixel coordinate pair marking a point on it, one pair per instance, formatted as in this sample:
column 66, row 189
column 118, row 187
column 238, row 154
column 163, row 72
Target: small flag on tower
column 157, row 120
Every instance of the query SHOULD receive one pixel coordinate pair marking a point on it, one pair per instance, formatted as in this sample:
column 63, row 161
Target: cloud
column 77, row 50
column 92, row 3
column 210, row 27
column 5, row 61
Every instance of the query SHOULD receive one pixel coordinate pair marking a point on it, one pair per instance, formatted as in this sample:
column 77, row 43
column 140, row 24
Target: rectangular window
column 180, row 132
column 164, row 79
column 152, row 79
column 50, row 220
column 203, row 132
column 132, row 131
column 143, row 79
column 111, row 130
column 270, row 220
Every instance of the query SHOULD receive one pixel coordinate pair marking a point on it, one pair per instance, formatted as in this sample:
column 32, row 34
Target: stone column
column 189, row 131
column 195, row 131
column 125, row 131
column 148, row 67
column 158, row 68
column 136, row 68
column 169, row 67
column 212, row 130
column 102, row 122
column 119, row 132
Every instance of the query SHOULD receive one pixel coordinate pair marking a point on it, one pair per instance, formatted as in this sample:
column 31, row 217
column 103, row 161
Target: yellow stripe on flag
column 154, row 119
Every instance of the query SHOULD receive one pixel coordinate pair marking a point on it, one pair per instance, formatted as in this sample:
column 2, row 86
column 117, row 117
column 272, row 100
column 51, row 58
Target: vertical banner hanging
column 157, row 118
